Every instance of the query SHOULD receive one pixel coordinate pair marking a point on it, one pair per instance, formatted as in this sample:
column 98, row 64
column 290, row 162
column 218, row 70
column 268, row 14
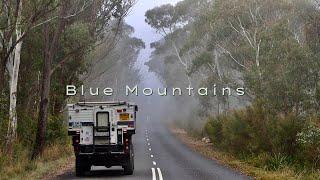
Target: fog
column 154, row 106
column 143, row 31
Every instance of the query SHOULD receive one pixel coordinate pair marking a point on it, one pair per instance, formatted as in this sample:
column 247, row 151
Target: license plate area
column 124, row 117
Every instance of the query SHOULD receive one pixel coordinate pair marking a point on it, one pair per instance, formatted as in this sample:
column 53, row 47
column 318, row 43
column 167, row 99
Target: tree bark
column 183, row 63
column 44, row 97
column 12, row 127
column 14, row 74
column 49, row 54
column 2, row 70
column 216, row 60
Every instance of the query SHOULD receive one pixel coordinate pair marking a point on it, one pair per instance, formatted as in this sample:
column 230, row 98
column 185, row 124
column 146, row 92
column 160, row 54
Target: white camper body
column 100, row 129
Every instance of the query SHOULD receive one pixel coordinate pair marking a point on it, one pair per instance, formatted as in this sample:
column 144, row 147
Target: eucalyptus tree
column 18, row 19
column 106, row 72
column 168, row 20
column 68, row 15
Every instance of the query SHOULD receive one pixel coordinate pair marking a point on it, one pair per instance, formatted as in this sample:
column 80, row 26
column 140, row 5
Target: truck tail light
column 76, row 149
column 131, row 124
column 76, row 140
column 75, row 143
column 126, row 145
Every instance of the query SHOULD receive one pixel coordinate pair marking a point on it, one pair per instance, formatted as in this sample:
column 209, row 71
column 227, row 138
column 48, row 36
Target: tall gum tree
column 101, row 12
column 166, row 19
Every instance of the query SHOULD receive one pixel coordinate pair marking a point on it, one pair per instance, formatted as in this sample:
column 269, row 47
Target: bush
column 309, row 143
column 277, row 162
column 57, row 130
column 278, row 140
column 214, row 129
column 27, row 126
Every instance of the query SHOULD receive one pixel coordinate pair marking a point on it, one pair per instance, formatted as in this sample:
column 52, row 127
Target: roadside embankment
column 55, row 160
column 244, row 165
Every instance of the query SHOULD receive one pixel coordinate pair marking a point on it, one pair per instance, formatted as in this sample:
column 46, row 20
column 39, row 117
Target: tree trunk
column 216, row 60
column 44, row 97
column 183, row 63
column 43, row 108
column 12, row 125
column 2, row 70
column 49, row 54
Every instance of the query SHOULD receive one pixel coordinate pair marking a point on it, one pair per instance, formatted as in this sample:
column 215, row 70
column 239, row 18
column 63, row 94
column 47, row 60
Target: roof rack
column 108, row 103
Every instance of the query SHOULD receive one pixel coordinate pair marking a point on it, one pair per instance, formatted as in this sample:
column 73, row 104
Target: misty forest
column 269, row 47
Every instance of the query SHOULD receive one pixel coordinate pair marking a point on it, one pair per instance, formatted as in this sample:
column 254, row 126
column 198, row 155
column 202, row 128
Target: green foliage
column 204, row 59
column 136, row 43
column 26, row 130
column 289, row 71
column 76, row 36
column 286, row 140
column 309, row 142
column 162, row 18
column 277, row 162
column 269, row 46
column 214, row 129
column 57, row 131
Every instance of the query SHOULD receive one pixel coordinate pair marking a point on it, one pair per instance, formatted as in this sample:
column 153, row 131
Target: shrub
column 278, row 140
column 285, row 134
column 214, row 129
column 236, row 133
column 56, row 130
column 27, row 126
column 309, row 142
column 277, row 162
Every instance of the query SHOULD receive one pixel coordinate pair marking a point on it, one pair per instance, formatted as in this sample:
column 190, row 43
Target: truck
column 102, row 134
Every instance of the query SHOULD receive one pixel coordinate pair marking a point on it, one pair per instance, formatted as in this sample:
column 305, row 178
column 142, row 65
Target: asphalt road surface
column 159, row 155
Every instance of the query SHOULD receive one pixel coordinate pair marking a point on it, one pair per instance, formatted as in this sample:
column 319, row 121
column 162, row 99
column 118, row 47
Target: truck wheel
column 81, row 166
column 128, row 169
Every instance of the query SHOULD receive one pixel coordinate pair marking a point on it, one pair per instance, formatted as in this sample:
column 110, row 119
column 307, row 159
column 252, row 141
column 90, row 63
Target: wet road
column 159, row 155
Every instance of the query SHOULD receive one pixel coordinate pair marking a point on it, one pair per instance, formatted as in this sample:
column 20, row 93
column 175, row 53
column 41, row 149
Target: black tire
column 82, row 166
column 129, row 168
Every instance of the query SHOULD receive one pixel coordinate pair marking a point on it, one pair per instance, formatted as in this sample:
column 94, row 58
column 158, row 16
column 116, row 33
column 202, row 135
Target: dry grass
column 55, row 159
column 208, row 150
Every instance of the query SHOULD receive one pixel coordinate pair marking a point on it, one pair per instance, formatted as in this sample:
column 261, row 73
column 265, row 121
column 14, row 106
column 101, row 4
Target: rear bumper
column 105, row 160
column 100, row 149
column 111, row 155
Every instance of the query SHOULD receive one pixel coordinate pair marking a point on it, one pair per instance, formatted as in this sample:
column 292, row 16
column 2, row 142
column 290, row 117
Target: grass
column 244, row 165
column 54, row 160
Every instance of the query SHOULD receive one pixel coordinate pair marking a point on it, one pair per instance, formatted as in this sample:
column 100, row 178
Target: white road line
column 149, row 149
column 151, row 156
column 160, row 174
column 147, row 139
column 153, row 174
column 148, row 144
column 154, row 163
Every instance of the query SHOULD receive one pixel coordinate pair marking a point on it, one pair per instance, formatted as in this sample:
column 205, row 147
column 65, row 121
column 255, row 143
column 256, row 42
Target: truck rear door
column 102, row 128
column 105, row 132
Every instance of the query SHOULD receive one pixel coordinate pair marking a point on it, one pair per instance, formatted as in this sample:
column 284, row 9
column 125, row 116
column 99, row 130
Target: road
column 159, row 155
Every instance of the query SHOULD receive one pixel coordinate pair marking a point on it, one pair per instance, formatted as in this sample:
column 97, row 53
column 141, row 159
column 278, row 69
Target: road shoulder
column 225, row 159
